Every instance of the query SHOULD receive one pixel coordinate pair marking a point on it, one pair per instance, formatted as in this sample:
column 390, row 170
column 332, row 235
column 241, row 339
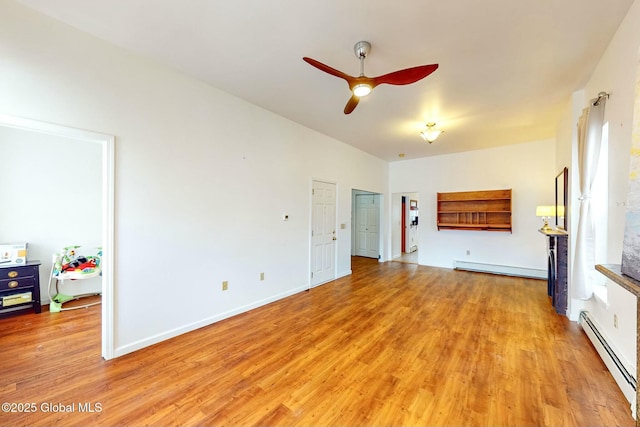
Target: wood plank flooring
column 393, row 344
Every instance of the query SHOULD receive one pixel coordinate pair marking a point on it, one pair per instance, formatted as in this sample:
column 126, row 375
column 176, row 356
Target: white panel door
column 367, row 225
column 323, row 233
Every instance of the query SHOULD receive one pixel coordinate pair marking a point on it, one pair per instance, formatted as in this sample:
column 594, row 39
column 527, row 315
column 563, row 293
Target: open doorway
column 405, row 227
column 53, row 193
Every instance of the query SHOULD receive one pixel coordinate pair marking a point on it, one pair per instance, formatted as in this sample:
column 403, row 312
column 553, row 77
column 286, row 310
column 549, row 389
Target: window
column 600, row 206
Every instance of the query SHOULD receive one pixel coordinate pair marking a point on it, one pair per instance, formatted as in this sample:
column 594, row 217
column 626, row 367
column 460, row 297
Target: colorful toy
column 73, row 263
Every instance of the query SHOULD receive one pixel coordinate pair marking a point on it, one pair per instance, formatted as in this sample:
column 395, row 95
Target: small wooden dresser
column 20, row 288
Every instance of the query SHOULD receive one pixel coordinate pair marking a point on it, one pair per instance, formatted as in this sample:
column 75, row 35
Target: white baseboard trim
column 344, row 274
column 500, row 269
column 146, row 342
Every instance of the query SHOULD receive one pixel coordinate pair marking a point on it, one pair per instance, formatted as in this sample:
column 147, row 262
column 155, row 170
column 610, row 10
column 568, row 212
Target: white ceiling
column 507, row 67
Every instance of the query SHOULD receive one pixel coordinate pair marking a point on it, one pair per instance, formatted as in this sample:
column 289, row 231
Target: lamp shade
column 545, row 210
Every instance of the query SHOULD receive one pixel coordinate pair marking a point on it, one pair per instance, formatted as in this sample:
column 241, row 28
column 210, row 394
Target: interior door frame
column 400, row 210
column 380, row 199
column 403, row 224
column 335, row 224
column 357, row 222
column 107, row 144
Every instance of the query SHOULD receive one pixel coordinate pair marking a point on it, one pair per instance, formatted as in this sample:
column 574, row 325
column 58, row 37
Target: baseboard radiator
column 500, row 269
column 619, row 370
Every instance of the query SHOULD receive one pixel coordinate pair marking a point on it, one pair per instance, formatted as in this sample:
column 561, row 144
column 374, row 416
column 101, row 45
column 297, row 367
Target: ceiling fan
column 361, row 86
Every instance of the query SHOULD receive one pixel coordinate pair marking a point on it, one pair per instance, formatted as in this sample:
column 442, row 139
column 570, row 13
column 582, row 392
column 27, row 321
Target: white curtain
column 589, row 140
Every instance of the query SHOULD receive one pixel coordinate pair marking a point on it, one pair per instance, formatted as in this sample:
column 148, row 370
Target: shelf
column 476, row 195
column 614, row 272
column 479, row 227
column 486, row 199
column 458, row 224
column 487, row 210
column 475, row 211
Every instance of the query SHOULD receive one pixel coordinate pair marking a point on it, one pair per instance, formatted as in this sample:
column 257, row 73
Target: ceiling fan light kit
column 430, row 134
column 362, row 85
column 361, row 90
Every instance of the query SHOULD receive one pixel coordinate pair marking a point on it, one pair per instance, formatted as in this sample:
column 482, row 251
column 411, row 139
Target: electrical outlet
column 225, row 285
column 468, row 252
column 261, row 276
column 615, row 321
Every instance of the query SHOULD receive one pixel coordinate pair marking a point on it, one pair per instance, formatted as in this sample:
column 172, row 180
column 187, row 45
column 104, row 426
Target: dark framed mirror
column 562, row 187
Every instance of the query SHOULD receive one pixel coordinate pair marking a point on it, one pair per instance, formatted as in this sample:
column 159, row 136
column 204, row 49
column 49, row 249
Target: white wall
column 527, row 168
column 615, row 74
column 202, row 178
column 51, row 192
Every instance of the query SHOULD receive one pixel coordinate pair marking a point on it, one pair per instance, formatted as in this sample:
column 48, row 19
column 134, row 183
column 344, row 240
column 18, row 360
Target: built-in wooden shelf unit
column 488, row 210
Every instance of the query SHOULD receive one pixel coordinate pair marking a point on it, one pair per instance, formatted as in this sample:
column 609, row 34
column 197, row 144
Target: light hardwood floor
column 393, row 344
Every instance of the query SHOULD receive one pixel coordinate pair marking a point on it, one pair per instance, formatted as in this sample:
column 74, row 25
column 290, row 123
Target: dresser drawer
column 17, row 283
column 16, row 299
column 17, row 272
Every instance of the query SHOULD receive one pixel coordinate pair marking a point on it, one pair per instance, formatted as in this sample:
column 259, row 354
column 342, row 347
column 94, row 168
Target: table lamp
column 545, row 212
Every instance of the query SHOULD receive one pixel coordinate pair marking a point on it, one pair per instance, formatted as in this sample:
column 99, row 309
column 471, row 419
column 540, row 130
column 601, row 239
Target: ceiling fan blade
column 406, row 76
column 362, row 84
column 322, row 67
column 351, row 104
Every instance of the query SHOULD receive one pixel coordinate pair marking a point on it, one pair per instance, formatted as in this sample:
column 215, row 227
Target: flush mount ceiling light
column 430, row 134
